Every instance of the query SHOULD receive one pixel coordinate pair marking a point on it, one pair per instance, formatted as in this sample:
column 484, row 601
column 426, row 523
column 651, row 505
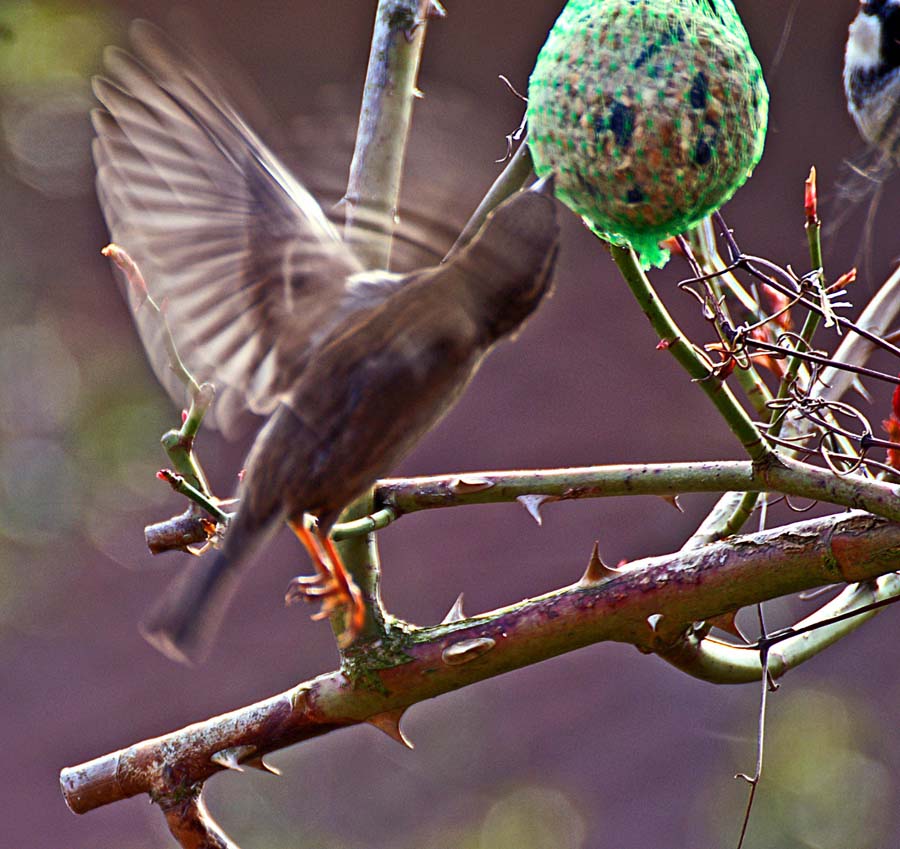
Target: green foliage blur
column 824, row 785
column 77, row 423
column 50, row 42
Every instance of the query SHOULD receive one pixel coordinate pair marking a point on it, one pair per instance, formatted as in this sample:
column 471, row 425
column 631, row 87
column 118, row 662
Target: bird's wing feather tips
column 239, row 253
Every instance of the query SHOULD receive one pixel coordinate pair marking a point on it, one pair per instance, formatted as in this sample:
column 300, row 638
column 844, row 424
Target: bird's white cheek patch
column 864, row 43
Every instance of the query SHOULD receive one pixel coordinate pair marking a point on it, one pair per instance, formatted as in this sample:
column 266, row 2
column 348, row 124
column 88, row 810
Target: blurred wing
column 248, row 269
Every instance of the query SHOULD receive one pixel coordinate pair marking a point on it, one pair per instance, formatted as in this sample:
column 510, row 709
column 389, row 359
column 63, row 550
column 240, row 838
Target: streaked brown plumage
column 352, row 367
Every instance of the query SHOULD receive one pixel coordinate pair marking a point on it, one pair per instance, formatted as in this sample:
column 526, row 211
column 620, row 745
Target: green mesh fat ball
column 649, row 114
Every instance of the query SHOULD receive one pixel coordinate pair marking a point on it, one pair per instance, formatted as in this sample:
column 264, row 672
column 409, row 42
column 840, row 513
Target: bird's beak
column 544, row 186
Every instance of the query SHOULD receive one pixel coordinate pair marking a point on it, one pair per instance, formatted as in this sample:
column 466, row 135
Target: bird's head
column 508, row 266
column 872, row 71
column 873, row 43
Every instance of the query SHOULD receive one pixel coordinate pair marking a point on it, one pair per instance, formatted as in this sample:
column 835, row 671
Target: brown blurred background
column 600, row 748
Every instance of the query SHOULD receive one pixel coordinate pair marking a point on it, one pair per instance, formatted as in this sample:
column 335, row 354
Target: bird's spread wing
column 240, row 256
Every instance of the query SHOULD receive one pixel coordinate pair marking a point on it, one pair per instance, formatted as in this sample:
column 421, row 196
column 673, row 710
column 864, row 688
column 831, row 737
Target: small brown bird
column 264, row 299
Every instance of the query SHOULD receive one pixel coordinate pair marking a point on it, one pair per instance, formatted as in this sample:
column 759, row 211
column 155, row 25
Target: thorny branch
column 664, row 605
column 645, row 604
column 373, row 189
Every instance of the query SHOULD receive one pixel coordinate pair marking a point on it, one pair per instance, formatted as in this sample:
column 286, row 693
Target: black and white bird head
column 872, row 74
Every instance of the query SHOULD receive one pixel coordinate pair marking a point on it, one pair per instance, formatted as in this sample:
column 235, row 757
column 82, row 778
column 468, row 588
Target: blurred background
column 599, row 748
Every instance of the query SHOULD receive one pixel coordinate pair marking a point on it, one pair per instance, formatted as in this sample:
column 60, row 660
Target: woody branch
column 645, row 604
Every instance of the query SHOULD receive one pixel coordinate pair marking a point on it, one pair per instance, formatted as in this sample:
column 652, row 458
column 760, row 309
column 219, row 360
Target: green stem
column 359, row 554
column 684, row 352
column 727, row 517
column 783, row 474
column 722, row 663
column 362, row 526
column 184, row 487
column 373, row 188
column 733, row 508
column 179, row 444
column 536, row 488
column 810, row 325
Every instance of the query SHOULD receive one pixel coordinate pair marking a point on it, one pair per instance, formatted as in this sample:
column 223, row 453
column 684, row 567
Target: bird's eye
column 892, row 25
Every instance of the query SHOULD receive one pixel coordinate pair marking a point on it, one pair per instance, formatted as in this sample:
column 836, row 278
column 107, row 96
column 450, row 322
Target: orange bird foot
column 332, row 586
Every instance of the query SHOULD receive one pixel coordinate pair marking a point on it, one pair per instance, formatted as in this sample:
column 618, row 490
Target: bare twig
column 395, row 497
column 179, row 444
column 180, row 532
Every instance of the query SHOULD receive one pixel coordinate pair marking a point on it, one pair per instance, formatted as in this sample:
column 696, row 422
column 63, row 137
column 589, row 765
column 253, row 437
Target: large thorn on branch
column 533, row 504
column 389, row 723
column 597, row 570
column 727, row 622
column 455, row 613
column 230, row 758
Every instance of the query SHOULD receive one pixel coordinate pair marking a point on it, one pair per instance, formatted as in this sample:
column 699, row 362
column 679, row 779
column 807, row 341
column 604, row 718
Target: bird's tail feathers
column 184, row 621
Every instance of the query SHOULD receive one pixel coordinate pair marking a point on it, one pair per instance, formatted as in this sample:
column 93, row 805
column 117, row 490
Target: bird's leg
column 355, row 614
column 332, row 584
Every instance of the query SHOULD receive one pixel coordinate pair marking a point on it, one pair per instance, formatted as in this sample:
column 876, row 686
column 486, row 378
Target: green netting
column 649, row 114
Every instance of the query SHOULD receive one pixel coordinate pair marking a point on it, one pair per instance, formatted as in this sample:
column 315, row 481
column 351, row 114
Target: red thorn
column 240, row 475
column 260, row 763
column 466, row 651
column 726, row 369
column 727, row 622
column 389, row 722
column 163, row 474
column 533, row 504
column 470, row 484
column 230, row 758
column 765, row 360
column 664, row 344
column 843, row 281
column 673, row 501
column 892, row 429
column 455, row 613
column 778, row 303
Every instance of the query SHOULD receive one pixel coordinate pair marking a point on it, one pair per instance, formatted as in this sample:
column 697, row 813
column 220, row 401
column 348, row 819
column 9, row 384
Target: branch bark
column 192, row 825
column 373, row 187
column 663, row 479
column 652, row 604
